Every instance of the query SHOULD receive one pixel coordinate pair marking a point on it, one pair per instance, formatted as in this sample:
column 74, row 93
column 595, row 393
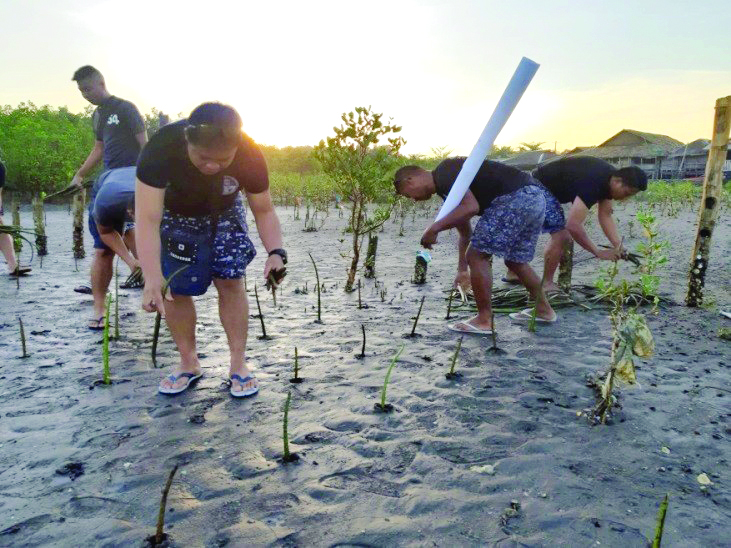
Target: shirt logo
column 230, row 185
column 113, row 120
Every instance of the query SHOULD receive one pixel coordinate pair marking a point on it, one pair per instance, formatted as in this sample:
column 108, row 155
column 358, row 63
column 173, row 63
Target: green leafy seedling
column 383, row 406
column 452, row 375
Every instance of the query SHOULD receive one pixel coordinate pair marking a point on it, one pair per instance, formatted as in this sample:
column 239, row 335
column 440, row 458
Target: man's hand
column 77, row 181
column 152, row 300
column 429, row 238
column 463, row 280
column 274, row 266
column 613, row 254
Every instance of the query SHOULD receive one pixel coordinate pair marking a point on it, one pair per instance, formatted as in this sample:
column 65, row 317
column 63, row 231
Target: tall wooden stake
column 78, row 233
column 566, row 266
column 710, row 200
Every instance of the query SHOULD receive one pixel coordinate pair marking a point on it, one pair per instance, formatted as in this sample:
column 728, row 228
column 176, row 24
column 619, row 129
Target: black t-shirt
column 164, row 163
column 2, row 175
column 582, row 176
column 493, row 179
column 116, row 122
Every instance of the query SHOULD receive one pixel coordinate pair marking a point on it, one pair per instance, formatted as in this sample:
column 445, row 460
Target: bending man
column 511, row 207
column 190, row 215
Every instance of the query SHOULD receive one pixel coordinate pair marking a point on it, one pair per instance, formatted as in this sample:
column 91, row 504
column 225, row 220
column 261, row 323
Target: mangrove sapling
column 159, row 537
column 452, row 375
column 116, row 300
column 494, row 349
column 22, row 338
column 370, row 261
column 660, row 523
column 15, row 208
column 449, row 305
column 360, row 303
column 362, row 350
column 105, row 347
column 286, row 455
column 416, row 320
column 296, row 379
column 40, row 226
column 158, row 316
column 382, row 406
column 263, row 336
column 317, row 278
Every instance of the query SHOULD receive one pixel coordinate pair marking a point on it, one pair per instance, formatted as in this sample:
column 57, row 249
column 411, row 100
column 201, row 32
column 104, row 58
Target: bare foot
column 550, row 287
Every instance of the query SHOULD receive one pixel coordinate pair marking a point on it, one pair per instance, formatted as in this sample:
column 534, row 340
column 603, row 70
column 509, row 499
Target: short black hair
column 633, row 177
column 87, row 71
column 404, row 173
column 214, row 125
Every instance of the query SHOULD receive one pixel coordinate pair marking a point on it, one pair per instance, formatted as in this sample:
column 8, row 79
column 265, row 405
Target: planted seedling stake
column 362, row 351
column 158, row 316
column 105, row 347
column 449, row 304
column 660, row 523
column 317, row 277
column 287, row 456
column 416, row 321
column 261, row 316
column 116, row 300
column 296, row 379
column 22, row 338
column 452, row 375
column 360, row 304
column 159, row 536
column 532, row 324
column 383, row 406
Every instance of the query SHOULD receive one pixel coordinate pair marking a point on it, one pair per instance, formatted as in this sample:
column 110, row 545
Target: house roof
column 530, row 158
column 694, row 148
column 708, row 146
column 630, row 143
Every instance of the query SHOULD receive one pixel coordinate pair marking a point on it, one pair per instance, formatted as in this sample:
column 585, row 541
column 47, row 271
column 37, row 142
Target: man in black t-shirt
column 511, row 207
column 120, row 134
column 191, row 224
column 582, row 182
column 6, row 241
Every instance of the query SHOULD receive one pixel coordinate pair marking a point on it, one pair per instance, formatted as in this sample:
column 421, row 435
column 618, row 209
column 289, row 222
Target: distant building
column 529, row 159
column 687, row 161
column 727, row 164
column 635, row 148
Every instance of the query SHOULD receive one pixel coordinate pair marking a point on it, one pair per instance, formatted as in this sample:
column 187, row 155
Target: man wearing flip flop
column 191, row 229
column 582, row 181
column 6, row 241
column 120, row 135
column 511, row 206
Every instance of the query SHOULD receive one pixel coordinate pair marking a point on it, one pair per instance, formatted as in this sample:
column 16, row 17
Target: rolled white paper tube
column 512, row 94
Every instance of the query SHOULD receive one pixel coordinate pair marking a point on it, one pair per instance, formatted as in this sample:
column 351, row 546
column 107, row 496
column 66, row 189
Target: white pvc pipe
column 512, row 94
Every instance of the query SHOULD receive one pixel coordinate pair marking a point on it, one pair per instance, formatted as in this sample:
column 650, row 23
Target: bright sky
column 437, row 67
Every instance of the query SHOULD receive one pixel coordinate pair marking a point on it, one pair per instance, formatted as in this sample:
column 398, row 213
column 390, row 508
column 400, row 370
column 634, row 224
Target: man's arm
column 90, row 163
column 606, row 221
column 148, row 214
column 114, row 241
column 575, row 226
column 141, row 138
column 267, row 223
column 466, row 209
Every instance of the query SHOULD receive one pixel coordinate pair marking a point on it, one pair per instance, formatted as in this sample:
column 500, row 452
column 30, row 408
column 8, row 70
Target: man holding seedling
column 191, row 231
column 6, row 241
column 582, row 181
column 511, row 207
column 120, row 135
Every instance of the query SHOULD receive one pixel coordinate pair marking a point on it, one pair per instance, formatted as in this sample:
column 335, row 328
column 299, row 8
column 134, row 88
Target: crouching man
column 511, row 207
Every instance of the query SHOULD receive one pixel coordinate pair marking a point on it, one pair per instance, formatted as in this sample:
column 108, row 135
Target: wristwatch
column 281, row 252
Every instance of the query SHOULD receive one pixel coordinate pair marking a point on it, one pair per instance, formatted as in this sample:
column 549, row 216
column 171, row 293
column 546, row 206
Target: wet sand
column 438, row 471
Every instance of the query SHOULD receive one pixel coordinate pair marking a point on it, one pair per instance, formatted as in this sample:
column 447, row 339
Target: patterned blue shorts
column 510, row 226
column 554, row 219
column 189, row 242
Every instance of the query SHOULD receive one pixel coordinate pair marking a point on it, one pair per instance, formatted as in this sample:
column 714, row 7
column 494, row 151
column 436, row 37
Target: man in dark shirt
column 6, row 241
column 511, row 207
column 582, row 182
column 120, row 135
column 191, row 223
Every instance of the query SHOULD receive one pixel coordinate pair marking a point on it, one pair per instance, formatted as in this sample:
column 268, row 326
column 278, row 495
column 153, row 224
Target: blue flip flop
column 171, row 391
column 243, row 380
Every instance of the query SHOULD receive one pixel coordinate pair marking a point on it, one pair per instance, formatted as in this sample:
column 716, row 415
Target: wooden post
column 15, row 209
column 710, row 199
column 370, row 260
column 78, row 214
column 566, row 266
column 39, row 220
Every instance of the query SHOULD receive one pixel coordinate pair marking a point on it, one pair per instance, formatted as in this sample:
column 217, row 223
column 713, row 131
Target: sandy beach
column 83, row 464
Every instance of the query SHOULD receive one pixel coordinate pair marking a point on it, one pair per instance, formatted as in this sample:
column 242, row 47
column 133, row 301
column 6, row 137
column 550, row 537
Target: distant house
column 635, row 148
column 687, row 161
column 727, row 164
column 529, row 159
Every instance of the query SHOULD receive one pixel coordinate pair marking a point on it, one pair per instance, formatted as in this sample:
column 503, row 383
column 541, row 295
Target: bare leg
column 102, row 268
column 233, row 307
column 552, row 258
column 129, row 241
column 180, row 317
column 481, row 277
column 6, row 246
column 532, row 282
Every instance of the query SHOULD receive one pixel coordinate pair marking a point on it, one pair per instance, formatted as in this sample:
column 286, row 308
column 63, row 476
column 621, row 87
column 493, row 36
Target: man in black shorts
column 582, row 182
column 511, row 207
column 6, row 241
column 190, row 215
column 120, row 135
